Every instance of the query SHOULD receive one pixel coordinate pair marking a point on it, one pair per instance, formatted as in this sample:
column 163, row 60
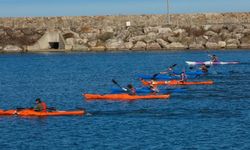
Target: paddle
column 124, row 89
column 155, row 75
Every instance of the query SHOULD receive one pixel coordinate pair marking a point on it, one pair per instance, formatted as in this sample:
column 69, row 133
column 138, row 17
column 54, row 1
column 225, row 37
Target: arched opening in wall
column 54, row 45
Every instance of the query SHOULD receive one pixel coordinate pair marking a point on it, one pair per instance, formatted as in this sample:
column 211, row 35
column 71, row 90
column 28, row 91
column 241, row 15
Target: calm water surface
column 206, row 117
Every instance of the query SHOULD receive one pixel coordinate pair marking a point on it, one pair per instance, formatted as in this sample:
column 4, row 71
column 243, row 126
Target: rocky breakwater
column 16, row 40
column 111, row 33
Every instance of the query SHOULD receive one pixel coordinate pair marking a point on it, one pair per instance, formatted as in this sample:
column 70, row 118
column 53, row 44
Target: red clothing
column 44, row 107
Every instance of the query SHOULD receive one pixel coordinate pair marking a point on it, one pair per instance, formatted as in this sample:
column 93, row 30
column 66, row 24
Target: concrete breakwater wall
column 142, row 32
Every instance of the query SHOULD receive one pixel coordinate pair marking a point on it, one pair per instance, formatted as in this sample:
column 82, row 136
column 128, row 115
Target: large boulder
column 136, row 31
column 179, row 31
column 12, row 48
column 28, row 31
column 206, row 27
column 239, row 29
column 233, row 41
column 196, row 46
column 222, row 44
column 92, row 43
column 114, row 44
column 177, row 45
column 231, row 27
column 137, row 38
column 124, row 34
column 81, row 41
column 245, row 39
column 105, row 36
column 163, row 43
column 98, row 48
column 237, row 36
column 245, row 45
column 186, row 40
column 212, row 45
column 165, row 31
column 128, row 45
column 107, row 29
column 216, row 28
column 195, row 31
column 200, row 40
column 225, row 34
column 246, row 32
column 140, row 45
column 150, row 37
column 232, row 46
column 150, row 29
column 2, row 32
column 80, row 48
column 153, row 46
column 91, row 36
column 214, row 39
column 211, row 33
column 172, row 39
column 18, row 33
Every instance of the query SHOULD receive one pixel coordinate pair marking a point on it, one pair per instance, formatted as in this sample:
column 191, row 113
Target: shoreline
column 117, row 33
column 122, row 51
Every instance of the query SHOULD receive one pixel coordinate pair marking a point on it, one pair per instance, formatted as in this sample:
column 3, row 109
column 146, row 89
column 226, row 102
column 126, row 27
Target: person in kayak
column 40, row 106
column 183, row 76
column 204, row 68
column 214, row 58
column 130, row 89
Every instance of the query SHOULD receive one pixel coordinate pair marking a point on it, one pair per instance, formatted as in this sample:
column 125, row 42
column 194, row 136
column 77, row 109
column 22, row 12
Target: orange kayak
column 177, row 82
column 31, row 112
column 7, row 112
column 119, row 97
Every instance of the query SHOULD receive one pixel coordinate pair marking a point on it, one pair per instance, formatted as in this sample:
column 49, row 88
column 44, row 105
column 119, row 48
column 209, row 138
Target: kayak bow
column 31, row 112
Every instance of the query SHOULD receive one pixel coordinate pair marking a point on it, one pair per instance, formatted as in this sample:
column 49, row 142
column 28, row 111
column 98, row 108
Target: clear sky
column 17, row 8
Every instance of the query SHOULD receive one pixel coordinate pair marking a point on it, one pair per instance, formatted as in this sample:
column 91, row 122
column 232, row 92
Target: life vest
column 44, row 107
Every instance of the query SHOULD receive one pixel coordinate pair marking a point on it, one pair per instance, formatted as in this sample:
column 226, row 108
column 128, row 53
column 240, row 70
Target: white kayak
column 211, row 63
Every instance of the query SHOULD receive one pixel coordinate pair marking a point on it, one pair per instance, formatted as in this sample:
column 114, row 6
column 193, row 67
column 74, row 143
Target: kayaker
column 40, row 106
column 152, row 82
column 214, row 58
column 204, row 68
column 183, row 76
column 130, row 89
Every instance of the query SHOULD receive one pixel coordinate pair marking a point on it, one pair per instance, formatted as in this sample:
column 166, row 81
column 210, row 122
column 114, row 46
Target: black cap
column 38, row 99
column 130, row 86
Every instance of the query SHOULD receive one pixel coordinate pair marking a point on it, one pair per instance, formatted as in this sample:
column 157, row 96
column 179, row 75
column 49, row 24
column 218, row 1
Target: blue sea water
column 206, row 117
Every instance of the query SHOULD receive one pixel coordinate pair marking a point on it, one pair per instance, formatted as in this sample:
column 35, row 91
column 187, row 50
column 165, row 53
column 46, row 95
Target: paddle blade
column 155, row 75
column 114, row 81
column 173, row 65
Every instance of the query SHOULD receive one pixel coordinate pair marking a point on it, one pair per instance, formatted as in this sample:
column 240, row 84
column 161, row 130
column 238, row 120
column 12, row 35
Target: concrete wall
column 43, row 42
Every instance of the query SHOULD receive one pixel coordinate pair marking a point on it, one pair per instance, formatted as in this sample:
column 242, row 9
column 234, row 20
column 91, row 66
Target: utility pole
column 168, row 14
